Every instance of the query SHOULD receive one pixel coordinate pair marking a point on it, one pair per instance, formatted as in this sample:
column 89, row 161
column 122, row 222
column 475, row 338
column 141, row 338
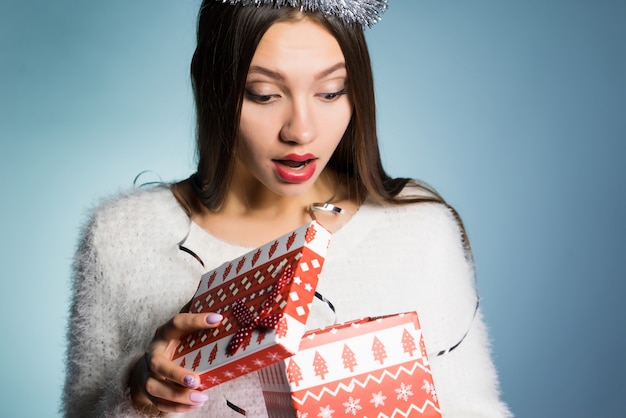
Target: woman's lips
column 296, row 157
column 295, row 168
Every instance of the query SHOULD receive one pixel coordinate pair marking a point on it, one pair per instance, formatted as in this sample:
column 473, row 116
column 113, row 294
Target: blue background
column 514, row 110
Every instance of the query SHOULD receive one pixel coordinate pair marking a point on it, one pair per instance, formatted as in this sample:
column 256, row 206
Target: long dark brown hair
column 227, row 37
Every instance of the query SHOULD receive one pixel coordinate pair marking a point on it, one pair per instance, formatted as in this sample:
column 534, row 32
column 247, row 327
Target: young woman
column 286, row 118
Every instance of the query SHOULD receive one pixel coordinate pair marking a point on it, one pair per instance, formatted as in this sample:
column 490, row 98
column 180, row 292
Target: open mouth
column 295, row 168
column 294, row 165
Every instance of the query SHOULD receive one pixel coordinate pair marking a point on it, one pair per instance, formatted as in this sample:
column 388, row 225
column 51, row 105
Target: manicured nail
column 214, row 318
column 199, row 397
column 191, row 381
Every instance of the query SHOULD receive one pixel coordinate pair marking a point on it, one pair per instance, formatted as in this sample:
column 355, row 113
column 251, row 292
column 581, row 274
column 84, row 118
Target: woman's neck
column 252, row 198
column 251, row 215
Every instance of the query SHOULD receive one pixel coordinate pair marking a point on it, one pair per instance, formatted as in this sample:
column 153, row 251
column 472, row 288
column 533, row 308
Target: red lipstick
column 295, row 168
column 297, row 157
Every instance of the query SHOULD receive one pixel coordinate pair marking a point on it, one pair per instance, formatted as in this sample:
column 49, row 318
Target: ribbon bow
column 248, row 322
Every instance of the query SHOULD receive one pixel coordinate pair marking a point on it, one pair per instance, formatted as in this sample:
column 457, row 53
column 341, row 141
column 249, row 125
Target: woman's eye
column 335, row 95
column 259, row 98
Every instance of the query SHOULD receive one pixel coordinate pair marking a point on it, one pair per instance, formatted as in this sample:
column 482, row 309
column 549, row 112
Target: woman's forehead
column 301, row 39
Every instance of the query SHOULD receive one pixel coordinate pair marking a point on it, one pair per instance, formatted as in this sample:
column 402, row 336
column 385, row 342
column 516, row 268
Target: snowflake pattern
column 404, row 391
column 378, row 399
column 352, row 406
column 213, row 380
column 274, row 356
column 302, row 415
column 326, row 412
column 259, row 363
column 429, row 388
column 243, row 369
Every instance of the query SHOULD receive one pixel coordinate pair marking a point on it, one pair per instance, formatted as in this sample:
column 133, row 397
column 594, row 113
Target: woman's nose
column 299, row 126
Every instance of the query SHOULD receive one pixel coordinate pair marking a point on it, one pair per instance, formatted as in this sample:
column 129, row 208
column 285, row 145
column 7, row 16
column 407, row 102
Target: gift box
column 264, row 297
column 373, row 367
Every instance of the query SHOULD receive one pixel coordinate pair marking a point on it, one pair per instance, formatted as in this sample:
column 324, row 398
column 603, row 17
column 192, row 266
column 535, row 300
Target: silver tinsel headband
column 363, row 12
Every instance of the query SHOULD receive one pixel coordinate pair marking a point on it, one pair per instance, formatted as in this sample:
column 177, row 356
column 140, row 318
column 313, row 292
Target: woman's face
column 296, row 107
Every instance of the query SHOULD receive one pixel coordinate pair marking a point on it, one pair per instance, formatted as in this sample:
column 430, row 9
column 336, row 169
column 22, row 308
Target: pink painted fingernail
column 199, row 397
column 214, row 318
column 191, row 381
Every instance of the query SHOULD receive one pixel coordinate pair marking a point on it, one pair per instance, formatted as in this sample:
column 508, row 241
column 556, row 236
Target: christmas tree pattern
column 273, row 248
column 227, row 271
column 213, row 354
column 291, row 240
column 348, row 357
column 196, row 361
column 408, row 342
column 310, row 234
column 211, row 279
column 240, row 264
column 256, row 256
column 294, row 372
column 320, row 366
column 183, row 363
column 281, row 330
column 378, row 350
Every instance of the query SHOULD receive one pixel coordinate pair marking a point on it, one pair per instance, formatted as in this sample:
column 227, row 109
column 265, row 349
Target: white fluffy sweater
column 130, row 277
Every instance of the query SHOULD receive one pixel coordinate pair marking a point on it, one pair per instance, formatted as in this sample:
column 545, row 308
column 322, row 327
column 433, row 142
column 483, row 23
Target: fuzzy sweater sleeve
column 465, row 377
column 444, row 287
column 98, row 363
column 129, row 278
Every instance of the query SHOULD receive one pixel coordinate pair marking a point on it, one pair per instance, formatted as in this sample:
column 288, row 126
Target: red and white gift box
column 264, row 297
column 373, row 367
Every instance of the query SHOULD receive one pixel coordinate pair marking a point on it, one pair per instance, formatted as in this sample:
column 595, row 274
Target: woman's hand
column 157, row 384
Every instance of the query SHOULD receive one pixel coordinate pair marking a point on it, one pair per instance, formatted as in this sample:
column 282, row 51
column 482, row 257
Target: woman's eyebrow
column 330, row 70
column 265, row 71
column 257, row 69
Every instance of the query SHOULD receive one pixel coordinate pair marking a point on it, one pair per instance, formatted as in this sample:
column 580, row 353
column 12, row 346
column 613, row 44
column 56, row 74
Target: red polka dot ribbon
column 248, row 322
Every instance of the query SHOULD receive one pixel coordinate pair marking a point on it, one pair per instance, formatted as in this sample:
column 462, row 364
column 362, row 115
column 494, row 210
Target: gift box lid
column 264, row 296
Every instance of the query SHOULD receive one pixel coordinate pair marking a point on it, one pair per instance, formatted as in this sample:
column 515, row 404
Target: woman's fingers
column 161, row 367
column 168, row 386
column 171, row 397
column 185, row 323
